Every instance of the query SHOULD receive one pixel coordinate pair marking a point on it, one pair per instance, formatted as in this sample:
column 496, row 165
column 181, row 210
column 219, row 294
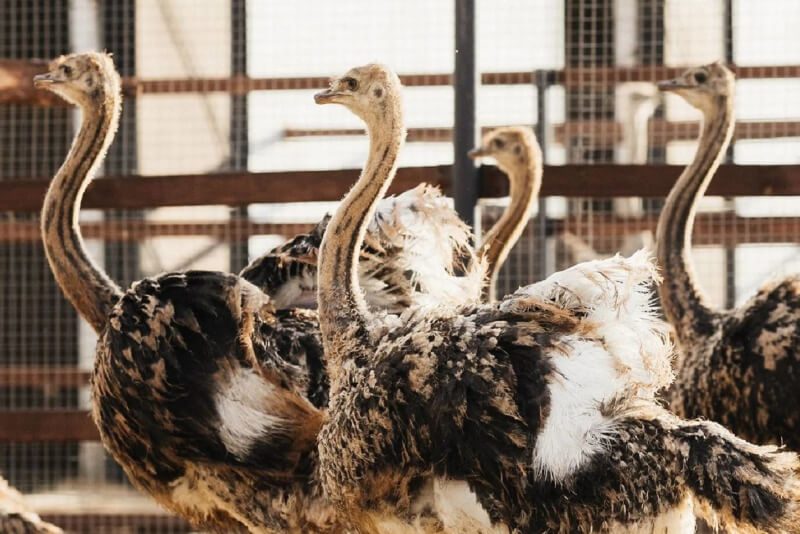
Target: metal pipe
column 465, row 131
column 542, row 79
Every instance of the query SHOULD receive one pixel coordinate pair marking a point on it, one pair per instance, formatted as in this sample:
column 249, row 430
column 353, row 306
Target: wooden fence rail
column 726, row 229
column 16, row 80
column 243, row 188
column 605, row 134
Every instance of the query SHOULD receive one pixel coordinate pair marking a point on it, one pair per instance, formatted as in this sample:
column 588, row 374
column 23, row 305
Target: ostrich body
column 543, row 402
column 202, row 392
column 518, row 154
column 417, row 252
column 17, row 518
column 739, row 367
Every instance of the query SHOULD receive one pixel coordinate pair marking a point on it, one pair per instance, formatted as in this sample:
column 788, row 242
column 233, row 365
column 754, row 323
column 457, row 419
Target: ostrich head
column 702, row 86
column 513, row 147
column 82, row 79
column 372, row 92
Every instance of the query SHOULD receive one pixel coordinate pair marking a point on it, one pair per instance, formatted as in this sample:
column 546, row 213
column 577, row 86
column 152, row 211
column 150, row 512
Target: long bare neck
column 343, row 312
column 682, row 300
column 525, row 182
column 86, row 286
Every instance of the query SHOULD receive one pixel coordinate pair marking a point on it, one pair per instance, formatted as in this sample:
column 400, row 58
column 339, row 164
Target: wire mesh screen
column 225, row 86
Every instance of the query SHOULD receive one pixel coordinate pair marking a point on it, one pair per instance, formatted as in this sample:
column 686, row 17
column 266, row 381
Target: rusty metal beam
column 25, row 426
column 118, row 522
column 602, row 133
column 43, row 376
column 738, row 231
column 138, row 230
column 16, row 86
column 243, row 188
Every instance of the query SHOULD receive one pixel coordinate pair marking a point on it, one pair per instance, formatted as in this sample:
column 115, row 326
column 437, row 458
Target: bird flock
column 365, row 378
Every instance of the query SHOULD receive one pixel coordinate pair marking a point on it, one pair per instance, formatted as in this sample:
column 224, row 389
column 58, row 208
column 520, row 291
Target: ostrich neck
column 343, row 312
column 683, row 302
column 88, row 288
column 501, row 238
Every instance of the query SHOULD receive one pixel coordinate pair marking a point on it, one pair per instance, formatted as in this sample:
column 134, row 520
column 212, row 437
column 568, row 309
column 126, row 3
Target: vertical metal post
column 542, row 80
column 589, row 42
column 118, row 36
column 239, row 138
column 730, row 202
column 465, row 132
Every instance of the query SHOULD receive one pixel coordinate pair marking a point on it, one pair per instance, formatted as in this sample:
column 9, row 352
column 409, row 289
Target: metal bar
column 242, row 188
column 25, row 426
column 16, row 76
column 138, row 229
column 730, row 204
column 601, row 133
column 730, row 251
column 542, row 84
column 239, row 124
column 118, row 26
column 465, row 130
column 118, row 522
column 739, row 230
column 43, row 376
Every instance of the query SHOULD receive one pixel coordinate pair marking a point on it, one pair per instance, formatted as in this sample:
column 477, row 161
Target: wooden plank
column 710, row 229
column 137, row 230
column 737, row 231
column 232, row 189
column 651, row 181
column 25, row 426
column 16, row 85
column 601, row 133
column 99, row 522
column 240, row 189
column 43, row 376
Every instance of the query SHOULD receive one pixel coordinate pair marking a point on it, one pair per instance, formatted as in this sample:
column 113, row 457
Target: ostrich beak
column 672, row 85
column 478, row 152
column 43, row 80
column 328, row 96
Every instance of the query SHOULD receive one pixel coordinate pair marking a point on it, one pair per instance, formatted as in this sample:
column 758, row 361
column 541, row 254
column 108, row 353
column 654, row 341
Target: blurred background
column 220, row 92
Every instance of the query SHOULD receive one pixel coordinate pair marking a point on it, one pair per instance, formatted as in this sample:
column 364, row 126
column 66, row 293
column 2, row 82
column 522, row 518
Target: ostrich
column 739, row 367
column 416, row 249
column 201, row 392
column 17, row 518
column 543, row 402
column 519, row 156
column 417, row 252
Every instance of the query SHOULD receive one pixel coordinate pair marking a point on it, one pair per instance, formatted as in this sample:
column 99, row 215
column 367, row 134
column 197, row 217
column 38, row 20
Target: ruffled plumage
column 417, row 252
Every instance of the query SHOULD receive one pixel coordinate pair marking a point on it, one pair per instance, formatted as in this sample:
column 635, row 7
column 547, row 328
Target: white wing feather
column 421, row 253
column 619, row 357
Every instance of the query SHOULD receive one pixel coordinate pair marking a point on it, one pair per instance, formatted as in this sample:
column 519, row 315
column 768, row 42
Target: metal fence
column 222, row 154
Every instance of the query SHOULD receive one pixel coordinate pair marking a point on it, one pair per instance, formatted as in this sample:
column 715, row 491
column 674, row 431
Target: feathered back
column 617, row 358
column 616, row 297
column 419, row 251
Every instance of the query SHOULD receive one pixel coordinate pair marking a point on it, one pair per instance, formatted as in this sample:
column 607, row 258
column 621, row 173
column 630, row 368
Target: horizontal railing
column 16, row 80
column 738, row 230
column 601, row 134
column 243, row 188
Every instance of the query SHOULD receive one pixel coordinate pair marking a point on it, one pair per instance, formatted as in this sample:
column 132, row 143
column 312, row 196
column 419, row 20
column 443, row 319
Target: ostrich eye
column 67, row 70
column 700, row 77
column 498, row 143
column 351, row 83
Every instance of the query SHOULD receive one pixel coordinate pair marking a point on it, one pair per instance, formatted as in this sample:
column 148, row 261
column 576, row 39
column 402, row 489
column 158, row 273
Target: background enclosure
column 222, row 154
